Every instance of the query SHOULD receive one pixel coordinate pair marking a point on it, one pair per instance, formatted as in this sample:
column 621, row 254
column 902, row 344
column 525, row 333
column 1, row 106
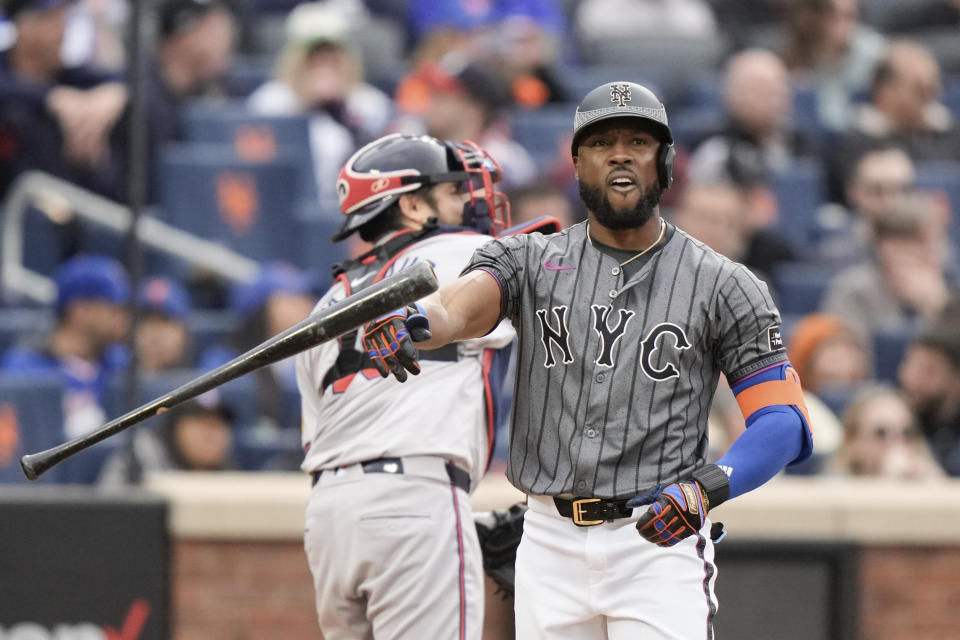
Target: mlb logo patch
column 774, row 338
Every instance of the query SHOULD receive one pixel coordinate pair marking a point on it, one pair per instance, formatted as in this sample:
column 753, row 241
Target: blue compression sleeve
column 775, row 438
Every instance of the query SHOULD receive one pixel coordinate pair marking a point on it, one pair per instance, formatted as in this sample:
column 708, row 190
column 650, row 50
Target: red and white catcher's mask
column 377, row 175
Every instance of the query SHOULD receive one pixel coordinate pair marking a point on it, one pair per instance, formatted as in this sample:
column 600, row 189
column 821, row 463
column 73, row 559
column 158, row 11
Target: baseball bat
column 324, row 325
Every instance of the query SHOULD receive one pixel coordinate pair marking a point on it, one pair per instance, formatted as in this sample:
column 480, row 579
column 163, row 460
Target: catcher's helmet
column 377, row 175
column 627, row 99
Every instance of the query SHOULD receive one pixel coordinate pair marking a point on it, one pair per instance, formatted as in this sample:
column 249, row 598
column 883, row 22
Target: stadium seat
column 799, row 190
column 543, row 131
column 268, row 450
column 944, row 177
column 677, row 59
column 21, row 323
column 801, row 286
column 210, row 327
column 579, row 80
column 888, row 349
column 31, row 420
column 256, row 138
column 85, row 467
column 318, row 253
column 247, row 206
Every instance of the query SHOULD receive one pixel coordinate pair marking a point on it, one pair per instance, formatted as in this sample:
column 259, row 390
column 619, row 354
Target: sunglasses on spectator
column 893, row 432
column 888, row 188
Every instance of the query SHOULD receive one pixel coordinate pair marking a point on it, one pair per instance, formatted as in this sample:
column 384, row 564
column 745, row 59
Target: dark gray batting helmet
column 627, row 99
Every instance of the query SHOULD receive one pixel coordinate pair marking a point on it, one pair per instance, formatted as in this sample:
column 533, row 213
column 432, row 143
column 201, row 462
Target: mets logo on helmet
column 620, row 94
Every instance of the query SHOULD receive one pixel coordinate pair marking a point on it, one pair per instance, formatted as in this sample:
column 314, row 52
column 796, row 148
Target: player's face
column 617, row 172
column 448, row 201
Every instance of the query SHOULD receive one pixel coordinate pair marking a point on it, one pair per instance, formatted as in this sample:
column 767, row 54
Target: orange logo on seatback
column 237, row 200
column 9, row 434
column 255, row 143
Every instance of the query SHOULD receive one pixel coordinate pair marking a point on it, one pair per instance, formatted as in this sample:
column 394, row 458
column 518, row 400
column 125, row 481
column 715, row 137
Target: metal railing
column 49, row 194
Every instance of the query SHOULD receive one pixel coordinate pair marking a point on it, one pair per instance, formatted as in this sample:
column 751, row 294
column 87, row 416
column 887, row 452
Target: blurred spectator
column 733, row 218
column 713, row 213
column 905, row 108
column 162, row 336
column 827, row 354
column 55, row 118
column 541, row 199
column 320, row 74
column 929, row 375
column 526, row 54
column 195, row 48
column 434, row 16
column 83, row 347
column 827, row 47
column 881, row 439
column 95, row 32
column 600, row 19
column 903, row 281
column 280, row 297
column 748, row 22
column 758, row 115
column 881, row 175
column 194, row 436
column 469, row 102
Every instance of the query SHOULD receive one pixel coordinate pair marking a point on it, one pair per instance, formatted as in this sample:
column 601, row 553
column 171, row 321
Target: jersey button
column 616, row 271
column 591, row 433
column 613, row 293
column 582, row 485
column 600, row 377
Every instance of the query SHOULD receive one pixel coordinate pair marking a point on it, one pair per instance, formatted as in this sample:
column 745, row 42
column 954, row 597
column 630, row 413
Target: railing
column 50, row 194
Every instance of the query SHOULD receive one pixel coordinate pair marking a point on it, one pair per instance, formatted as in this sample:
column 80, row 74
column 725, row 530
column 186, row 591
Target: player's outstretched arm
column 466, row 308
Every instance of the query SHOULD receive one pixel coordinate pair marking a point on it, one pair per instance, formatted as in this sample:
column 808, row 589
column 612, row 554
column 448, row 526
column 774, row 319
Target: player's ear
column 576, row 167
column 413, row 208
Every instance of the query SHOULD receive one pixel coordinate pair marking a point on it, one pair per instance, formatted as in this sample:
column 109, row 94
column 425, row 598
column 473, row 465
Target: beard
column 599, row 204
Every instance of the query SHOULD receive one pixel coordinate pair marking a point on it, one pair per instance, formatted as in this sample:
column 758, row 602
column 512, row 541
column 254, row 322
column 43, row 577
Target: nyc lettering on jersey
column 555, row 336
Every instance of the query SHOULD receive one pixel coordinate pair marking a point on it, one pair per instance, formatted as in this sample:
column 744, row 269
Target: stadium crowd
column 818, row 143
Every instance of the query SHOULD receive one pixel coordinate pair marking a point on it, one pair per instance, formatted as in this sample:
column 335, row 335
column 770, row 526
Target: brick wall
column 910, row 593
column 233, row 590
column 236, row 590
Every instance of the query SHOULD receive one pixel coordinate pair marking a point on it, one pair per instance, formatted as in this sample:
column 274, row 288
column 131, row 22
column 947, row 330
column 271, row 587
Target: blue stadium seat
column 85, row 467
column 543, row 131
column 262, row 449
column 799, row 190
column 943, row 176
column 889, row 347
column 209, row 327
column 20, row 323
column 247, row 206
column 801, row 286
column 256, row 138
column 31, row 420
column 318, row 253
column 579, row 80
column 693, row 126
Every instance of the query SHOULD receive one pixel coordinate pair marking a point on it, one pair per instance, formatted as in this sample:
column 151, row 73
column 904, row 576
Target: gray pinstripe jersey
column 614, row 378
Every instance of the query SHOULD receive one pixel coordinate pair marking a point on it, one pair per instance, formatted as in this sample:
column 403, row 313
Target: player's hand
column 676, row 512
column 389, row 341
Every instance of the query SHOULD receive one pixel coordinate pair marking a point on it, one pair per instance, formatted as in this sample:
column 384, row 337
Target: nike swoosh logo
column 555, row 267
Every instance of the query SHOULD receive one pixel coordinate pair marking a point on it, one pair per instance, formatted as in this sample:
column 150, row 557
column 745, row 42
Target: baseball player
column 389, row 534
column 624, row 324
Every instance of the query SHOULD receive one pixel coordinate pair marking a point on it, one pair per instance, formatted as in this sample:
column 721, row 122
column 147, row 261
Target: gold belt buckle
column 578, row 512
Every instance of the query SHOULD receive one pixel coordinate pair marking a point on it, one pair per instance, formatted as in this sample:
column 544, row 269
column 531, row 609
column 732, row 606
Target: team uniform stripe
column 460, row 559
column 707, row 575
column 769, row 393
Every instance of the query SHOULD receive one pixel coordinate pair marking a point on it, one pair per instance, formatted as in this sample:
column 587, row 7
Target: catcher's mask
column 375, row 177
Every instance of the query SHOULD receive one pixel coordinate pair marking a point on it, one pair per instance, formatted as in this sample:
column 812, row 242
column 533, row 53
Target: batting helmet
column 627, row 99
column 375, row 177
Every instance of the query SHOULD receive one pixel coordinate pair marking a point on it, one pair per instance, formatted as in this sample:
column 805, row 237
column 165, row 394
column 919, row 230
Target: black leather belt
column 586, row 512
column 458, row 477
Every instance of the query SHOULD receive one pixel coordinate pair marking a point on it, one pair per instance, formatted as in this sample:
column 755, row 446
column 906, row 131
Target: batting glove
column 679, row 510
column 389, row 341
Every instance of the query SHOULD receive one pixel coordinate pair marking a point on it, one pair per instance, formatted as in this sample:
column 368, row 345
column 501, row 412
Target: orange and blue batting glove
column 389, row 341
column 680, row 509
